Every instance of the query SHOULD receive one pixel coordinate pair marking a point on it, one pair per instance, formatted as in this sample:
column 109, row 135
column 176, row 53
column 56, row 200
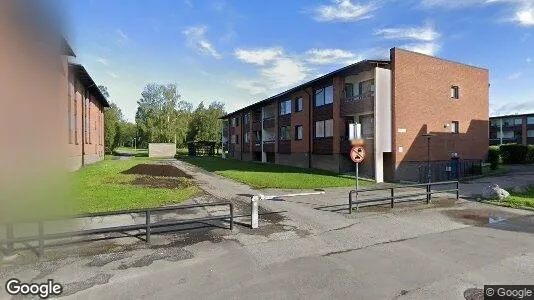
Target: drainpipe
column 83, row 126
column 310, row 134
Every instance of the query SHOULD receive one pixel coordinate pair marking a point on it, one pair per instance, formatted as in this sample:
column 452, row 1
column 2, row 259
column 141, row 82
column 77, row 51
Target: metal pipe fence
column 393, row 197
column 8, row 243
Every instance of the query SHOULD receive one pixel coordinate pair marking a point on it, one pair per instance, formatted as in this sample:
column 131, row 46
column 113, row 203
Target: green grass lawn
column 102, row 187
column 260, row 175
column 519, row 200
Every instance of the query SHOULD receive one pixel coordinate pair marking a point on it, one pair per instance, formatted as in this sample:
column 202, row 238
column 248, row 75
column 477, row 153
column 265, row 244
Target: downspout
column 310, row 135
column 83, row 127
column 242, row 137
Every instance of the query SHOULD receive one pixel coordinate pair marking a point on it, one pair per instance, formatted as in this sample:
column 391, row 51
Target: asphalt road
column 301, row 251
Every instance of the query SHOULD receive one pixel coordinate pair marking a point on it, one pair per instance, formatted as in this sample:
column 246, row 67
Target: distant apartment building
column 517, row 129
column 396, row 101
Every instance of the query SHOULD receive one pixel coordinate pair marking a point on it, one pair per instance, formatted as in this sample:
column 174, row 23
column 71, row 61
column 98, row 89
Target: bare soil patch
column 156, row 170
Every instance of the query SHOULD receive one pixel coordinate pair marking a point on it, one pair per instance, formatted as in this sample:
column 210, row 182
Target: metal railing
column 391, row 200
column 8, row 243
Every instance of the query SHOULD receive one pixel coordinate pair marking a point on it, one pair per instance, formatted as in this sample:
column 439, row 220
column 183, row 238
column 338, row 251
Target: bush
column 530, row 155
column 514, row 153
column 494, row 157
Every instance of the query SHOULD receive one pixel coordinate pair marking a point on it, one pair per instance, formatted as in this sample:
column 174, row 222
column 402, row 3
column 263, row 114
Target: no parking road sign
column 357, row 154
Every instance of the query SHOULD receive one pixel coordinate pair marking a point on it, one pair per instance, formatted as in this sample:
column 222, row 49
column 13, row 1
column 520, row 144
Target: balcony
column 357, row 104
column 323, row 145
column 284, row 146
column 269, row 146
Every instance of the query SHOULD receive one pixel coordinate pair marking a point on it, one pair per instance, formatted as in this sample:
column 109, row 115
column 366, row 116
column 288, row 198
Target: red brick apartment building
column 396, row 102
column 55, row 108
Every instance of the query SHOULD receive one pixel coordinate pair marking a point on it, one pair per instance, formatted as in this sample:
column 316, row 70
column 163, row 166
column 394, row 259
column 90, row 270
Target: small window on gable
column 455, row 92
column 455, row 127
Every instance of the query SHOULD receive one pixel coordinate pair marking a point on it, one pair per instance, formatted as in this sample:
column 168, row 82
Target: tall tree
column 161, row 116
column 112, row 120
column 104, row 90
column 205, row 124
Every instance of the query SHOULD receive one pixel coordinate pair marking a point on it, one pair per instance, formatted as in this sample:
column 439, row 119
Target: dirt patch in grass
column 161, row 182
column 156, row 170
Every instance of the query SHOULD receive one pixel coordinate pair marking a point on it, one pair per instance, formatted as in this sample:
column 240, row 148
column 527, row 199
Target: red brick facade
column 419, row 88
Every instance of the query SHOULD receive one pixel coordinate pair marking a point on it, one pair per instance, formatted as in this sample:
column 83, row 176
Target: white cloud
column 330, row 56
column 123, row 37
column 344, row 11
column 196, row 38
column 259, row 56
column 285, row 72
column 430, row 48
column 102, row 60
column 525, row 16
column 515, row 75
column 523, row 10
column 424, row 38
column 253, row 87
column 424, row 33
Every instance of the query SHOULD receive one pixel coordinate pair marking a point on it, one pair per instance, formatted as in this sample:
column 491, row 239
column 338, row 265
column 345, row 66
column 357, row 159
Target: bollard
column 254, row 211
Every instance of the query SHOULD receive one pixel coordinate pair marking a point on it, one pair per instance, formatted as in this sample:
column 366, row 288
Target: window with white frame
column 324, row 96
column 299, row 106
column 285, row 133
column 285, row 107
column 455, row 92
column 324, row 128
column 366, row 87
column 455, row 127
column 298, row 133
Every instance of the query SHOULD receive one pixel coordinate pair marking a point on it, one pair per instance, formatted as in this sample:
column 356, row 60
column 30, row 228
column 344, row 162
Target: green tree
column 161, row 116
column 205, row 124
column 112, row 119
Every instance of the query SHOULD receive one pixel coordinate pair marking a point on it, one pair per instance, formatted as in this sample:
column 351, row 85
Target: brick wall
column 421, row 100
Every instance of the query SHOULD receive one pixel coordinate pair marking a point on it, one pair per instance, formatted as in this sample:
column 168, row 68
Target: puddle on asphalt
column 492, row 218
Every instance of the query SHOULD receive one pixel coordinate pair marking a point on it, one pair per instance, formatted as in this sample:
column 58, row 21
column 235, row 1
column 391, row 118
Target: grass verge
column 260, row 175
column 101, row 187
column 519, row 200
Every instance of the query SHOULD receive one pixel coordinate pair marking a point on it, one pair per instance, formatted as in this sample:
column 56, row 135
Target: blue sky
column 241, row 51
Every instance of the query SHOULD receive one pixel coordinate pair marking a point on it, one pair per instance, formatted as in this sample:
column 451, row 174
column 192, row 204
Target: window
column 258, row 137
column 245, row 121
column 246, row 137
column 455, row 127
column 233, row 122
column 518, row 121
column 349, row 90
column 237, row 121
column 298, row 133
column 324, row 96
column 368, row 125
column 232, row 139
column 530, row 120
column 530, row 133
column 285, row 133
column 455, row 92
column 366, row 87
column 324, row 128
column 298, row 105
column 285, row 107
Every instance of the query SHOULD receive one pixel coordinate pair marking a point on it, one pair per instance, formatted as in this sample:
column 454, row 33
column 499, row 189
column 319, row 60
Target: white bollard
column 254, row 211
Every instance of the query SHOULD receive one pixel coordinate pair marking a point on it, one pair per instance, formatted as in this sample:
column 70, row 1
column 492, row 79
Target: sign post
column 357, row 153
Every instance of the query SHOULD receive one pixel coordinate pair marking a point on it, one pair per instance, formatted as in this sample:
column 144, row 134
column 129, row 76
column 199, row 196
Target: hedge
column 514, row 153
column 494, row 157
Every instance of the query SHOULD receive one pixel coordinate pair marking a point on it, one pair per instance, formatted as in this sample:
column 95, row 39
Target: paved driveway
column 304, row 252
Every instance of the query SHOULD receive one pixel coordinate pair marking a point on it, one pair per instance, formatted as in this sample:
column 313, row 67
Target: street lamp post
column 429, row 173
